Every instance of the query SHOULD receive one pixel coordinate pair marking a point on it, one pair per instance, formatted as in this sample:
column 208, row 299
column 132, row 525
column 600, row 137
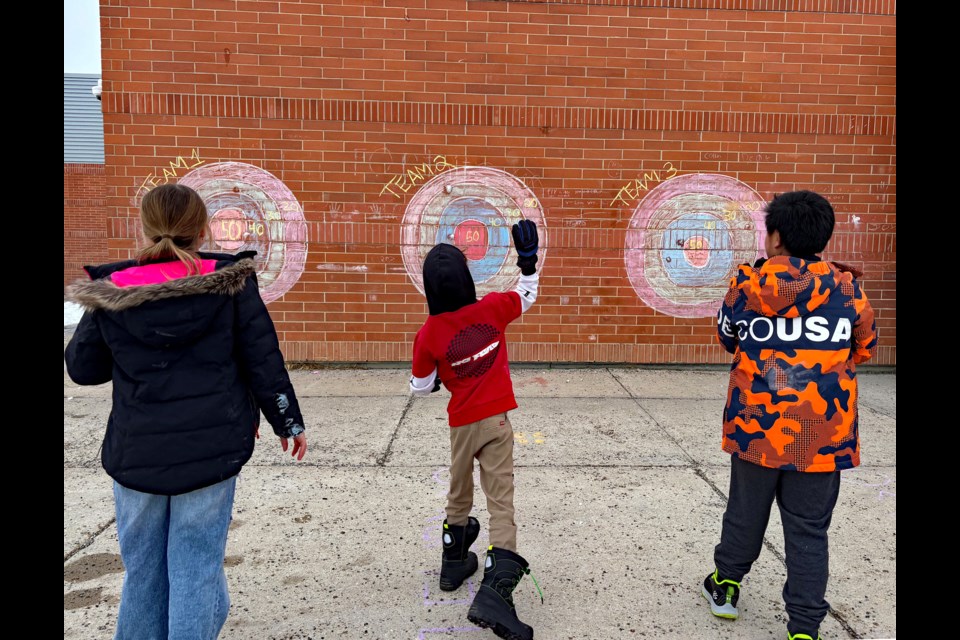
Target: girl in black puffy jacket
column 194, row 358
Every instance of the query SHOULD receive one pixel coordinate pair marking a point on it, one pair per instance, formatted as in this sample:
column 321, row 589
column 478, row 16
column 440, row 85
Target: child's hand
column 299, row 446
column 526, row 241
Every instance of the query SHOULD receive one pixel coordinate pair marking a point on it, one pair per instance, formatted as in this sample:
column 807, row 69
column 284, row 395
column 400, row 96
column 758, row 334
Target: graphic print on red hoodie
column 468, row 349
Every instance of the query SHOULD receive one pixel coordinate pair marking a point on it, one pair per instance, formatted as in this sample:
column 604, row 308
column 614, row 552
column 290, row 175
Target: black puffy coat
column 193, row 361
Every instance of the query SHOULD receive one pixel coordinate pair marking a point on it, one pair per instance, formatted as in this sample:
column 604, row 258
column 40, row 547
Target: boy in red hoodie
column 797, row 327
column 463, row 344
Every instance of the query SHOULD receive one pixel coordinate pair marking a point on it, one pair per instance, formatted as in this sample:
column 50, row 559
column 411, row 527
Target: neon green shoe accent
column 535, row 583
column 445, row 526
column 490, row 548
column 725, row 616
column 802, row 636
column 727, row 610
column 716, row 574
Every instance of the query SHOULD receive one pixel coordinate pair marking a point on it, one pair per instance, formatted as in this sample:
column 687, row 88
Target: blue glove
column 526, row 241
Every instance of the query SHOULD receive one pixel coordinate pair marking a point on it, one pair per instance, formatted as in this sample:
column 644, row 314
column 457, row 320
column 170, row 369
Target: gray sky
column 81, row 36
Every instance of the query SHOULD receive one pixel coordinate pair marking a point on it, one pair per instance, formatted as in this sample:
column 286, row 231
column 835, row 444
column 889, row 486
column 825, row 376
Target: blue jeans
column 173, row 549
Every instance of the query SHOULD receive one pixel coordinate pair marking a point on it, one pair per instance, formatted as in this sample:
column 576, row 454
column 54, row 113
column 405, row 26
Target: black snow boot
column 459, row 563
column 492, row 607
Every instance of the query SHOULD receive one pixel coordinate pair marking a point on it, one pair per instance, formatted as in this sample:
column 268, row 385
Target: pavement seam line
column 669, row 435
column 703, row 476
column 382, row 460
column 89, row 541
column 779, row 556
column 881, row 412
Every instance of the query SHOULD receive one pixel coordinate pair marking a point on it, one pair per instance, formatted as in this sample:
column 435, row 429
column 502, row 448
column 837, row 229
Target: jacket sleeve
column 88, row 358
column 726, row 329
column 424, row 375
column 261, row 361
column 506, row 307
column 864, row 327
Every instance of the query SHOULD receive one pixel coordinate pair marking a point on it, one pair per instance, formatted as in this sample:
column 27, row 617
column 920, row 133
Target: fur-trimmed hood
column 104, row 294
column 163, row 315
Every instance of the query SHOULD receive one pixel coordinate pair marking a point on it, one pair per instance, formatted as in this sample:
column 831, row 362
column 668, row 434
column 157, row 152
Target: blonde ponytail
column 174, row 220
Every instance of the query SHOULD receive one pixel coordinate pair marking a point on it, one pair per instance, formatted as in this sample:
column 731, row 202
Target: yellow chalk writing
column 168, row 174
column 233, row 229
column 630, row 192
column 414, row 175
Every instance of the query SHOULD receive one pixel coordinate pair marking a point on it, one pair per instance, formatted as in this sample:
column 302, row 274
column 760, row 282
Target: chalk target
column 250, row 209
column 473, row 208
column 686, row 238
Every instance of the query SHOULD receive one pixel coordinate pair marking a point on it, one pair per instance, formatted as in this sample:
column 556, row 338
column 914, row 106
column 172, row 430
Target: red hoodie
column 468, row 349
column 463, row 341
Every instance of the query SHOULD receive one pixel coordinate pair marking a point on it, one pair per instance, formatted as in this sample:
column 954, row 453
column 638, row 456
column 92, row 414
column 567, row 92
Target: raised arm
column 526, row 240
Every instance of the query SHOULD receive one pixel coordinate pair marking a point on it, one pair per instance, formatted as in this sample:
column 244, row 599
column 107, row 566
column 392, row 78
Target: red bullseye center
column 470, row 236
column 696, row 251
column 228, row 227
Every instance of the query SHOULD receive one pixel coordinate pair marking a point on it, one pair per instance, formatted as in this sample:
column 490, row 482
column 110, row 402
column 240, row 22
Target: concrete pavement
column 621, row 487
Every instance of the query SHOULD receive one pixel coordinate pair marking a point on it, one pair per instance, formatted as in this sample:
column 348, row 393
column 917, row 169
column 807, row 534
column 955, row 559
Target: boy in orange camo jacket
column 797, row 327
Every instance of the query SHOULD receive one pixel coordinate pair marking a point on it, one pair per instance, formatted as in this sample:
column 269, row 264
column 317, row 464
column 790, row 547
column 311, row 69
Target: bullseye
column 471, row 238
column 253, row 210
column 228, row 227
column 686, row 238
column 474, row 209
column 696, row 251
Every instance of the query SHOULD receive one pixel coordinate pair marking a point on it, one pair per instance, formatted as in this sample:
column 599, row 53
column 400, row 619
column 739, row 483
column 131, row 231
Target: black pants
column 806, row 502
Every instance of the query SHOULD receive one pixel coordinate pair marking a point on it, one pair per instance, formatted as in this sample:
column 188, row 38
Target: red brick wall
column 84, row 218
column 575, row 99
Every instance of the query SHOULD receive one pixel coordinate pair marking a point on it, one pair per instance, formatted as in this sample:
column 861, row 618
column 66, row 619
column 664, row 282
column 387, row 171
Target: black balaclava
column 447, row 282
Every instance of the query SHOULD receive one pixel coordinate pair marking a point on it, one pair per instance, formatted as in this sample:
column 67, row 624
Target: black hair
column 804, row 219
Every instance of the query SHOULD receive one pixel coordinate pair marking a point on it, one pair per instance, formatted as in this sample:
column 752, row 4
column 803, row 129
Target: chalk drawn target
column 250, row 209
column 473, row 208
column 686, row 238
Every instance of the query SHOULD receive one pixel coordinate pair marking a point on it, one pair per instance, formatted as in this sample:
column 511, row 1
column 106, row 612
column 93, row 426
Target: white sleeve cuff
column 423, row 386
column 527, row 290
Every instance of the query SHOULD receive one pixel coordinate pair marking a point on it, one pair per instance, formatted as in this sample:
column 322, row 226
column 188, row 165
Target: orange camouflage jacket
column 797, row 329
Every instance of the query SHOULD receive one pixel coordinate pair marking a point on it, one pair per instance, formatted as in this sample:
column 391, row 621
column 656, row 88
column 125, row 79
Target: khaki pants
column 491, row 442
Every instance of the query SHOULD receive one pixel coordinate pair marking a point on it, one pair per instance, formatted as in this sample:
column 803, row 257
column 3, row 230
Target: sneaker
column 723, row 596
column 803, row 636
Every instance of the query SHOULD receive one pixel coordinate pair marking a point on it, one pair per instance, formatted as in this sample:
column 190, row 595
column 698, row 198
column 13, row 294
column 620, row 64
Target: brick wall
column 84, row 218
column 357, row 114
